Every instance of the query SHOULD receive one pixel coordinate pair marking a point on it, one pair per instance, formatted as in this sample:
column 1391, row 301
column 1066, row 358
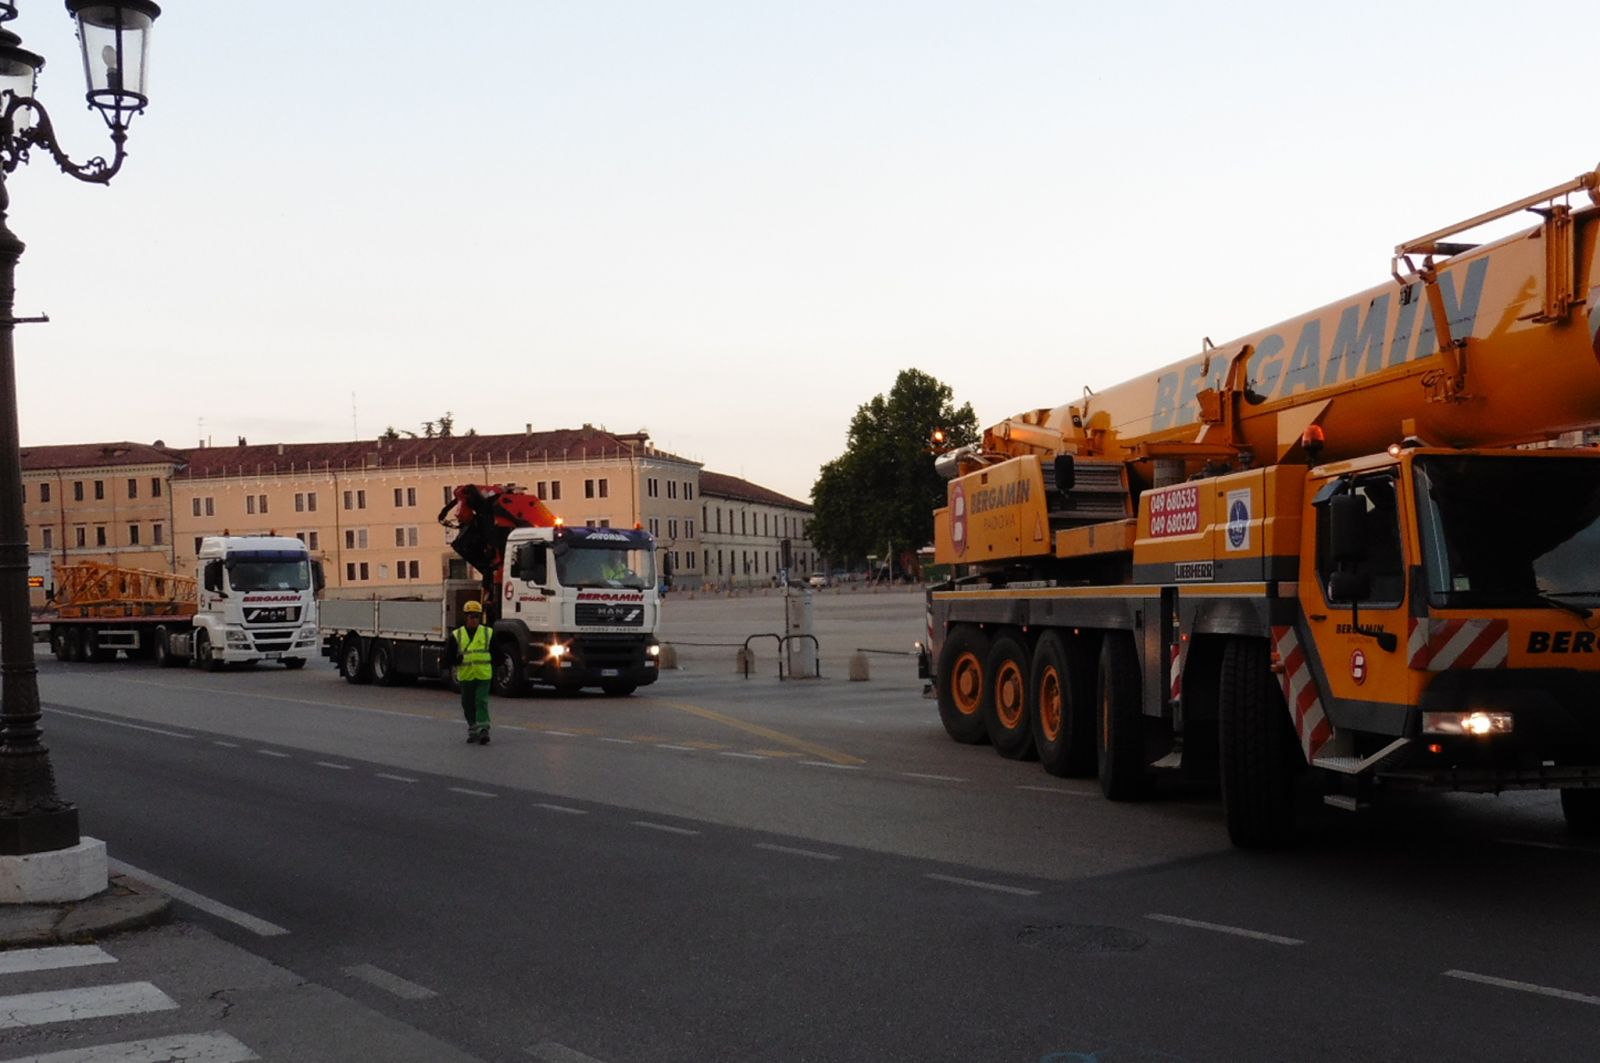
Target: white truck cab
column 257, row 601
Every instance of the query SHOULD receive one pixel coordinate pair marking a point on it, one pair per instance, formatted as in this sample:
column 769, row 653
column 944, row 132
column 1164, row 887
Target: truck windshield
column 605, row 566
column 269, row 575
column 1510, row 531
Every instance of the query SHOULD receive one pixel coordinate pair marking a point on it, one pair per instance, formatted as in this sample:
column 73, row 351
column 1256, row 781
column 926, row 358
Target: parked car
column 818, row 580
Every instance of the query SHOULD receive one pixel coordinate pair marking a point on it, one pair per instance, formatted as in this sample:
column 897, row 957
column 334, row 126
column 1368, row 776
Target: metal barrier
column 747, row 656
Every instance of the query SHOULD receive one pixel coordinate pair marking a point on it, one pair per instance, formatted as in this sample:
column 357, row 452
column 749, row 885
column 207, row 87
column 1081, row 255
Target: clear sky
column 733, row 222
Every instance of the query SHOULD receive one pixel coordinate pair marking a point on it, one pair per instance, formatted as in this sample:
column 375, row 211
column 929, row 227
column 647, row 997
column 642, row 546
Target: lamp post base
column 55, row 877
column 39, row 832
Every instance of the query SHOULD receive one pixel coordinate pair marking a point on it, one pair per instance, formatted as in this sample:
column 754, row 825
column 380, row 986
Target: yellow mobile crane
column 1338, row 554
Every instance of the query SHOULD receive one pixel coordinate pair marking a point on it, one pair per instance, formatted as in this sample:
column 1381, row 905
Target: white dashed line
column 391, row 983
column 812, row 853
column 205, row 904
column 561, row 808
column 619, row 741
column 1220, row 928
column 997, row 887
column 825, row 764
column 662, row 827
column 1523, row 987
column 743, row 756
column 471, row 793
column 273, row 753
column 1063, row 791
column 935, row 778
column 551, row 1052
column 331, row 764
column 563, row 734
column 685, row 749
column 225, row 745
column 116, row 723
column 393, row 778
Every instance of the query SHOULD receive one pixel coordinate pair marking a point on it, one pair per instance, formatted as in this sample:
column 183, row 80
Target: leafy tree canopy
column 880, row 494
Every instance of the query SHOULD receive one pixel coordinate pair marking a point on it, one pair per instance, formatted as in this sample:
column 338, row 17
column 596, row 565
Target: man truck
column 568, row 608
column 1339, row 556
column 254, row 600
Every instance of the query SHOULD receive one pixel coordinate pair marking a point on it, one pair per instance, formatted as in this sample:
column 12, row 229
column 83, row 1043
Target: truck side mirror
column 1347, row 529
column 319, row 578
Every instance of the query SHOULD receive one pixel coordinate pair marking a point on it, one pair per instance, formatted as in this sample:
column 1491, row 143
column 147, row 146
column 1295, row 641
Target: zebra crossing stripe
column 93, row 1002
column 213, row 1047
column 53, row 958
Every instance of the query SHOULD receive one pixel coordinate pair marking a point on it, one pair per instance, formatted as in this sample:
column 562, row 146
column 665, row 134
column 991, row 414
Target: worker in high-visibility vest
column 474, row 670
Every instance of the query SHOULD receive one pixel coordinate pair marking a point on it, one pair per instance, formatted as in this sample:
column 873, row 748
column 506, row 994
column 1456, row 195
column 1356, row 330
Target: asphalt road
column 721, row 868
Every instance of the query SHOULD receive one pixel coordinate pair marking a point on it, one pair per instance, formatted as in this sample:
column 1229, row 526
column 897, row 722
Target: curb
column 126, row 905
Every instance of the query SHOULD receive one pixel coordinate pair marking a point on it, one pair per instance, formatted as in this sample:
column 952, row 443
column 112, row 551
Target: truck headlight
column 1472, row 724
column 238, row 638
column 556, row 649
column 654, row 649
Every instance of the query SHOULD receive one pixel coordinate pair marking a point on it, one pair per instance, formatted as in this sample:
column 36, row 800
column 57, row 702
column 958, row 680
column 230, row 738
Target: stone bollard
column 744, row 662
column 669, row 656
column 859, row 672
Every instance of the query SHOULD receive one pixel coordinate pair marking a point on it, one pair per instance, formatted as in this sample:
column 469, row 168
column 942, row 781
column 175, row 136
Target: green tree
column 880, row 493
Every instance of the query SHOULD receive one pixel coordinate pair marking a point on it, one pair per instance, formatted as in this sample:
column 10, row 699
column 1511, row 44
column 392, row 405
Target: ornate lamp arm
column 14, row 146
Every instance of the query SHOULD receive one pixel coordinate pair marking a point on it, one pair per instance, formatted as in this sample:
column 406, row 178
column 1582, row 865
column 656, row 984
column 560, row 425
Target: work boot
column 483, row 737
column 472, row 735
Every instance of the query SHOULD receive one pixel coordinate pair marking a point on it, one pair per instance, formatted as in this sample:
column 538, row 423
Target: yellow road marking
column 765, row 732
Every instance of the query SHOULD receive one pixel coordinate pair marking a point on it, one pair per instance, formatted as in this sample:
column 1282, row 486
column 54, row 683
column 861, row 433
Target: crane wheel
column 1061, row 683
column 961, row 682
column 1119, row 725
column 1007, row 706
column 1258, row 754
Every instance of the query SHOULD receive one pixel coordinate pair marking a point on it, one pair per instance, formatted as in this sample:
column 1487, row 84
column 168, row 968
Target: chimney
column 280, row 448
column 527, row 429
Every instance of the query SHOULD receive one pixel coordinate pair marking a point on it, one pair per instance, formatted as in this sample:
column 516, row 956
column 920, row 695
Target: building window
column 383, row 570
column 133, row 487
column 249, row 503
column 719, row 519
column 133, row 535
column 99, row 490
column 211, row 506
column 449, row 494
column 350, row 571
column 688, row 529
column 261, row 503
column 538, row 489
column 672, row 529
column 588, row 490
column 299, row 502
column 688, row 491
column 49, row 540
column 651, row 488
column 355, row 500
column 355, row 538
column 312, row 541
column 555, row 490
column 405, row 536
column 604, row 523
column 672, row 489
column 44, row 492
column 99, row 534
column 158, row 534
column 196, row 504
column 80, row 537
column 405, row 496
column 77, row 490
column 654, row 526
column 744, row 524
column 155, row 487
column 364, row 571
column 361, row 500
column 416, row 569
column 311, row 502
column 197, row 544
column 349, row 499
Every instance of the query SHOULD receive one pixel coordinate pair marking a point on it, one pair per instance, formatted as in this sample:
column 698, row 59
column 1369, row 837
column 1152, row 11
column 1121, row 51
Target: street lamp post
column 115, row 37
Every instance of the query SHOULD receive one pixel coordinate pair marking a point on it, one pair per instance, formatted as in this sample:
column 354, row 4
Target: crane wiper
column 1554, row 598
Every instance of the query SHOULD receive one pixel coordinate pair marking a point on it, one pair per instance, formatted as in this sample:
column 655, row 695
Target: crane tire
column 1119, row 725
column 1061, row 685
column 1007, row 704
column 1258, row 754
column 961, row 683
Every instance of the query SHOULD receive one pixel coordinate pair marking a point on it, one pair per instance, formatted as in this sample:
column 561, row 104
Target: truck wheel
column 94, row 651
column 1063, row 714
column 1257, row 751
column 1582, row 810
column 294, row 664
column 205, row 655
column 161, row 648
column 1119, row 731
column 382, row 663
column 509, row 682
column 961, row 684
column 618, row 688
column 58, row 643
column 353, row 664
column 1007, row 708
column 74, row 643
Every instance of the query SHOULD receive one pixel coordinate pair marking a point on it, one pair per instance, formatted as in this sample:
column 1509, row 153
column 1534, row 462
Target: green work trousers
column 475, row 703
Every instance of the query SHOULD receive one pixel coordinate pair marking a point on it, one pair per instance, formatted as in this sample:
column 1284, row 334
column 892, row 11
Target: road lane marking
column 213, row 1047
column 331, row 764
column 273, row 753
column 935, row 778
column 997, row 887
column 829, row 764
column 662, row 827
column 619, row 741
column 764, row 732
column 395, row 778
column 471, row 793
column 561, row 808
column 1062, row 790
column 1524, row 987
column 195, row 900
column 681, row 749
column 551, row 1052
column 1531, row 844
column 563, row 734
column 743, row 756
column 224, row 745
column 53, row 958
column 792, row 851
column 115, row 723
column 391, row 983
column 1221, row 928
column 71, row 1005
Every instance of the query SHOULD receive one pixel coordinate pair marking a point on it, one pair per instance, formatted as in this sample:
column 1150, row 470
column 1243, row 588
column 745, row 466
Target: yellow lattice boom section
column 92, row 588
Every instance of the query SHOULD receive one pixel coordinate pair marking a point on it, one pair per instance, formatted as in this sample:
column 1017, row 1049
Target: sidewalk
column 126, row 905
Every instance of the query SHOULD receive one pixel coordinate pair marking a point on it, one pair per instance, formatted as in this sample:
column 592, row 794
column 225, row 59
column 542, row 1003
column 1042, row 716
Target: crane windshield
column 1510, row 532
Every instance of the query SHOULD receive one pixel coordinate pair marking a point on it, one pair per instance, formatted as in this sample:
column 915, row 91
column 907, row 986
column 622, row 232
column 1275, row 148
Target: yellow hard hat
column 472, row 607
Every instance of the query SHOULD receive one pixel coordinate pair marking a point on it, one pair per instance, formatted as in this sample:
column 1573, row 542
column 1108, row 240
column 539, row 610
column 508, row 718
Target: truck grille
column 609, row 614
column 614, row 651
column 278, row 614
column 268, row 641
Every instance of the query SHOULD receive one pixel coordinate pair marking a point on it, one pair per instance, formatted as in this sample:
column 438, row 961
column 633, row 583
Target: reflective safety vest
column 473, row 657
